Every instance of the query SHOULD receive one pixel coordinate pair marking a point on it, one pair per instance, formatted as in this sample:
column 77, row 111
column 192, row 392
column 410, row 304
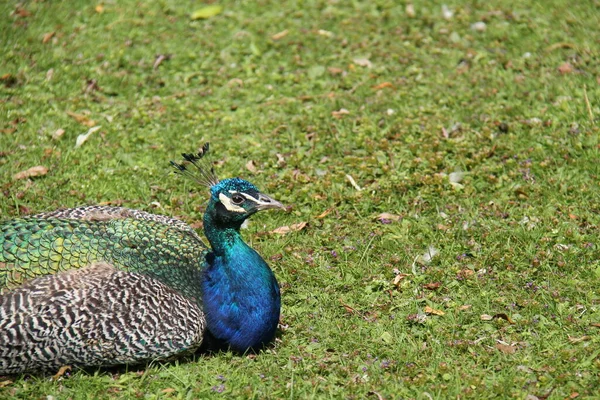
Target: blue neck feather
column 239, row 291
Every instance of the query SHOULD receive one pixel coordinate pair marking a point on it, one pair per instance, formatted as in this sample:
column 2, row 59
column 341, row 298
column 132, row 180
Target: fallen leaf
column 250, row 166
column 282, row 230
column 58, row 134
column 61, row 372
column 399, row 278
column 335, row 71
column 595, row 325
column 486, row 317
column 280, row 35
column 83, row 137
column 464, row 307
column 565, row 68
column 410, row 10
column 325, row 213
column 574, row 395
column 39, row 170
column 388, row 217
column 353, row 182
column 340, row 113
column 429, row 310
column 504, row 317
column 81, row 118
column 99, row 8
column 363, row 62
column 506, row 349
column 383, row 86
column 432, row 286
column 168, row 390
column 579, row 339
column 207, row 12
column 5, row 383
column 47, row 37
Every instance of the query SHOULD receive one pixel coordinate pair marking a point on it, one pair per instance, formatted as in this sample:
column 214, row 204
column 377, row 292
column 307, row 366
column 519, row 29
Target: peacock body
column 99, row 286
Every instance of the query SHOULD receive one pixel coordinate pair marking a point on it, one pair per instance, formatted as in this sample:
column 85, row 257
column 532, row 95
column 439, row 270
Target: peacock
column 103, row 285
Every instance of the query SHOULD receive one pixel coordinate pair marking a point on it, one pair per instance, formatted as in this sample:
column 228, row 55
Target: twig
column 587, row 104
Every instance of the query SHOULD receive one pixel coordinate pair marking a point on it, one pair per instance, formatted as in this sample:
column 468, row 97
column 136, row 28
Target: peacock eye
column 237, row 199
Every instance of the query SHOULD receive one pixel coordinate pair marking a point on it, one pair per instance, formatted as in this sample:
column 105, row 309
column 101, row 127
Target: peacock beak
column 265, row 202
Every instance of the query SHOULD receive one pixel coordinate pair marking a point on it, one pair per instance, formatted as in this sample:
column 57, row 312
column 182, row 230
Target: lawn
column 444, row 155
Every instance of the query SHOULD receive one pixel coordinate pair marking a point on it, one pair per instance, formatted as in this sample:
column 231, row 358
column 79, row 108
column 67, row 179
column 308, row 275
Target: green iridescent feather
column 34, row 246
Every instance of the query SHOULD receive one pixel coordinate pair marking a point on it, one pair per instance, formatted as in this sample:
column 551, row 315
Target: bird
column 98, row 286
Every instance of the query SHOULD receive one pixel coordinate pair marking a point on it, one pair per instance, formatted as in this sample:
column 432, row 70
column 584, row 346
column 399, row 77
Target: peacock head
column 233, row 199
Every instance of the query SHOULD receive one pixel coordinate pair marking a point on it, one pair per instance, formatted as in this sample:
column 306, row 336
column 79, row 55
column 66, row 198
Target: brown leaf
column 82, row 119
column 282, row 230
column 39, row 170
column 250, row 166
column 432, row 285
column 383, row 85
column 399, row 278
column 340, row 113
column 504, row 317
column 388, row 217
column 280, row 35
column 335, row 71
column 464, row 307
column 61, row 372
column 168, row 390
column 579, row 339
column 325, row 213
column 429, row 310
column 595, row 325
column 5, row 383
column 47, row 37
column 565, row 68
column 506, row 349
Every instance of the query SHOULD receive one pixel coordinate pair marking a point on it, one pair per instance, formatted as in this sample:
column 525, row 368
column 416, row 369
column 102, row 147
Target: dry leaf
column 99, row 8
column 506, row 349
column 363, row 62
column 325, row 213
column 399, row 278
column 429, row 310
column 280, row 35
column 353, row 182
column 61, row 372
column 340, row 113
column 5, row 383
column 82, row 119
column 565, row 68
column 47, row 37
column 335, row 71
column 39, row 170
column 388, row 217
column 383, row 86
column 595, row 324
column 464, row 307
column 250, row 166
column 579, row 339
column 83, row 137
column 58, row 134
column 504, row 317
column 485, row 317
column 410, row 10
column 432, row 286
column 282, row 230
column 168, row 390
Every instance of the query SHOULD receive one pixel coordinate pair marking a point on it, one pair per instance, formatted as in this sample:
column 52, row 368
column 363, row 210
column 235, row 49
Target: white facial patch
column 226, row 201
column 258, row 201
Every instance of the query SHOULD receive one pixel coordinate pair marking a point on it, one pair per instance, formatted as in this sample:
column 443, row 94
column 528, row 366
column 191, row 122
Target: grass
column 512, row 108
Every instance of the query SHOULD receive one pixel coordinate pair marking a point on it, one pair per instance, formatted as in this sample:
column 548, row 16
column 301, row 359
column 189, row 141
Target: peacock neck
column 239, row 291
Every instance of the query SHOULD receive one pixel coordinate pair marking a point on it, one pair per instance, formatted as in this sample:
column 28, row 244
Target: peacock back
column 160, row 247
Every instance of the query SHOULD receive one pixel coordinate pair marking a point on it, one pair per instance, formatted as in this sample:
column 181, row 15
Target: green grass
column 506, row 106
